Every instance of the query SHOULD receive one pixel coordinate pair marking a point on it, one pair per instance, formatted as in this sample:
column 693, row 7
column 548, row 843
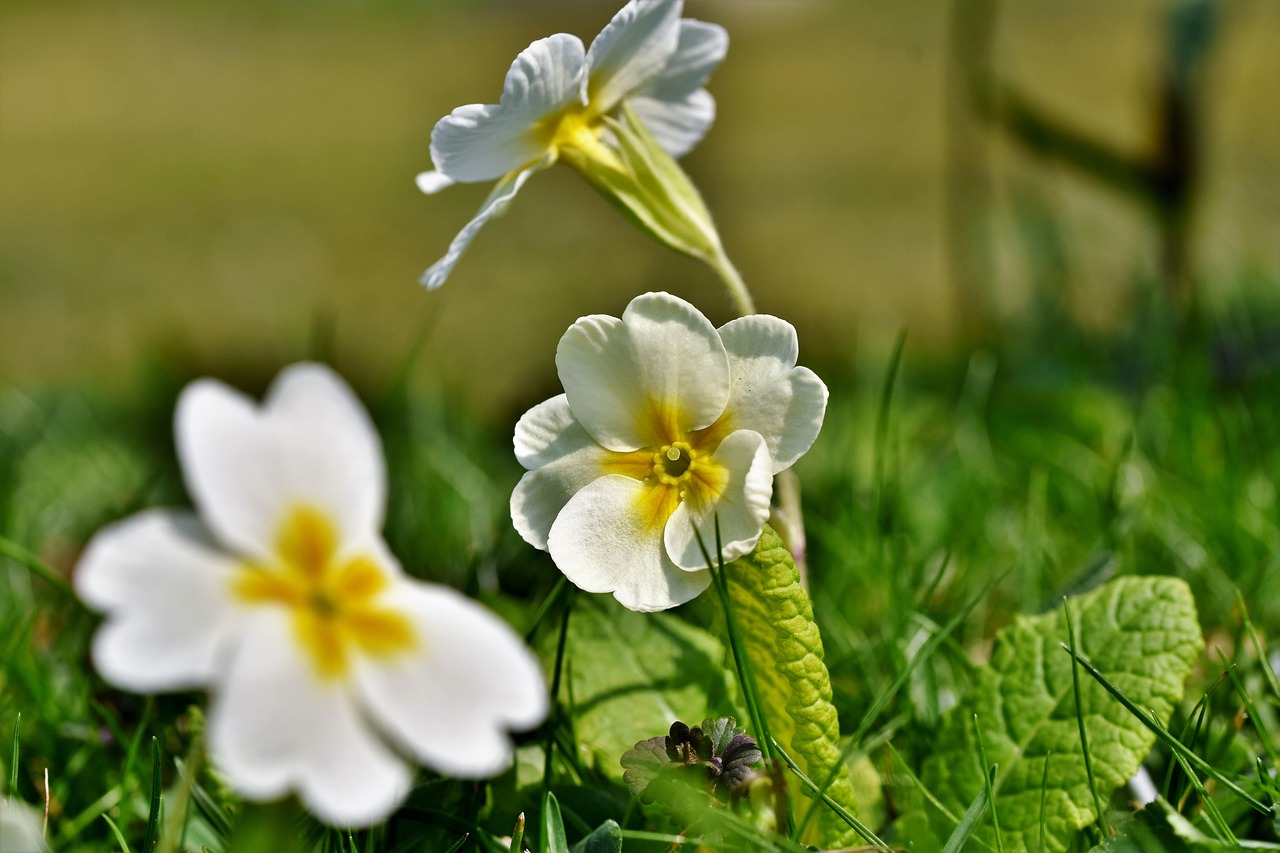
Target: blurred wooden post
column 1162, row 182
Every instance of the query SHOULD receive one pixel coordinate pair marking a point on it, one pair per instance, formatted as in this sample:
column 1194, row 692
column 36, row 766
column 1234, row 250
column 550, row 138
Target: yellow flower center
column 574, row 134
column 673, row 463
column 677, row 468
column 333, row 601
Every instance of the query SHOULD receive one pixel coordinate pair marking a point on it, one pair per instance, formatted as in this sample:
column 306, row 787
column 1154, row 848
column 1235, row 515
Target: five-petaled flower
column 667, row 427
column 557, row 103
column 283, row 599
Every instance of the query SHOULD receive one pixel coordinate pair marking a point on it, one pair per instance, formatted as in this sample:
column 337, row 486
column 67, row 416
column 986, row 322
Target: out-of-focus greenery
column 1045, row 472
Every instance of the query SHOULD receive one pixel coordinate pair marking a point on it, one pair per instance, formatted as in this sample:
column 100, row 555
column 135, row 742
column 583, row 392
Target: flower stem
column 788, row 519
column 732, row 279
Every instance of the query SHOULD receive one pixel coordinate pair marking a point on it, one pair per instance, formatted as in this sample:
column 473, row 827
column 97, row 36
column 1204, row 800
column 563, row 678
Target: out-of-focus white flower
column 281, row 596
column 563, row 102
column 20, row 828
column 666, row 426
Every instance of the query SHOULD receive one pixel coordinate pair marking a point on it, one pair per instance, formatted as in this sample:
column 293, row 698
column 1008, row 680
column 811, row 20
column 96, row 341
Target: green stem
column 175, row 830
column 732, row 279
column 789, row 518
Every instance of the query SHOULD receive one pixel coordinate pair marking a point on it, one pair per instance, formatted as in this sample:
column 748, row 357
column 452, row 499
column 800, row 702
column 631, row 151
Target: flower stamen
column 332, row 600
column 672, row 464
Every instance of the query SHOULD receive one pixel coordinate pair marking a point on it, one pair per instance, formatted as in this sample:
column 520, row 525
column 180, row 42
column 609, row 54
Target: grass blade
column 553, row 839
column 1165, row 737
column 855, row 824
column 153, row 817
column 37, row 567
column 1216, row 820
column 988, row 782
column 969, row 823
column 1268, row 673
column 1084, row 738
column 13, row 767
column 517, row 835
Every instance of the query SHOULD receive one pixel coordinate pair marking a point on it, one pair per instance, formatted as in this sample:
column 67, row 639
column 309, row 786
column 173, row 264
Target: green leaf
column 605, row 838
column 630, row 675
column 552, row 839
column 1142, row 633
column 1159, row 827
column 784, row 648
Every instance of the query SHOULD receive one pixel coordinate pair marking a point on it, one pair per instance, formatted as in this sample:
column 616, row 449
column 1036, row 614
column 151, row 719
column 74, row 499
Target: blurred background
column 231, row 182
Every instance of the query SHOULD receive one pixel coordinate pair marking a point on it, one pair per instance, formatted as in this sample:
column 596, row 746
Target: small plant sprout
column 619, row 112
column 280, row 596
column 667, row 427
column 717, row 757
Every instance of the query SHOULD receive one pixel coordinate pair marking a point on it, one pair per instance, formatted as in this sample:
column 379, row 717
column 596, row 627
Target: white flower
column 20, row 828
column 666, row 425
column 556, row 101
column 282, row 598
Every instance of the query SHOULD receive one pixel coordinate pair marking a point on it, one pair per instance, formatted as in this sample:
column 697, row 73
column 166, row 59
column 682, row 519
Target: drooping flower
column 617, row 112
column 280, row 596
column 667, row 427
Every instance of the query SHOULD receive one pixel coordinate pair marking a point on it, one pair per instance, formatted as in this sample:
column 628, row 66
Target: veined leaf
column 784, row 648
column 631, row 675
column 1142, row 633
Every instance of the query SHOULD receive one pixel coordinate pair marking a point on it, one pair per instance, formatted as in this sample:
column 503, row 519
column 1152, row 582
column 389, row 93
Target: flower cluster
column 561, row 101
column 280, row 596
column 669, row 431
column 328, row 666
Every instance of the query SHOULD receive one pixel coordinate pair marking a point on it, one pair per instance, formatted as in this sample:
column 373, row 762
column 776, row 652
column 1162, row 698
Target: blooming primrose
column 280, row 595
column 559, row 101
column 667, row 427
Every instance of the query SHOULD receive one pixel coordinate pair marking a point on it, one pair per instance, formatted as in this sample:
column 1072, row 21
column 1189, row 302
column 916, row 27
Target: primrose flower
column 634, row 97
column 280, row 595
column 667, row 425
column 20, row 830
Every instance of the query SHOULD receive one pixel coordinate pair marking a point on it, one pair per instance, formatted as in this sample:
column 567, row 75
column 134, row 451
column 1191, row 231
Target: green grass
column 990, row 484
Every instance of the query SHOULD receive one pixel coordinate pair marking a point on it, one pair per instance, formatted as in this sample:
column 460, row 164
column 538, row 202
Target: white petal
column 562, row 458
column 481, row 142
column 451, row 702
column 20, row 828
column 631, row 51
column 700, row 49
column 432, row 182
column 310, row 444
column 165, row 590
column 503, row 192
column 742, row 508
column 603, row 544
column 782, row 402
column 678, row 125
column 632, row 382
column 275, row 727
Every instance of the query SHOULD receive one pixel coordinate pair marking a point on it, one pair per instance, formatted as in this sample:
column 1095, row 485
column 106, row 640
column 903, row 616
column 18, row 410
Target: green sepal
column 646, row 183
column 784, row 648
